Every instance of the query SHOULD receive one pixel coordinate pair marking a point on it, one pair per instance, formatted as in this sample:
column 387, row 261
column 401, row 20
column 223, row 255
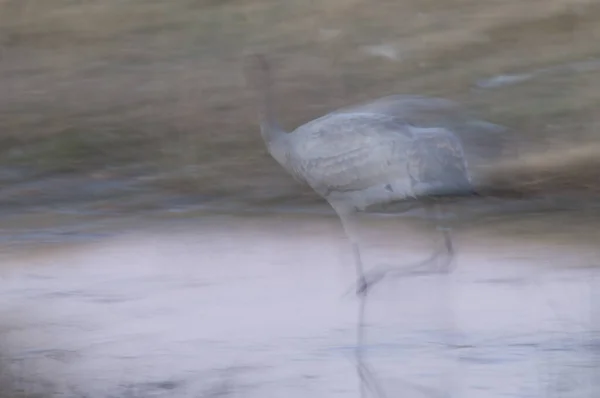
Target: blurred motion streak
column 128, row 117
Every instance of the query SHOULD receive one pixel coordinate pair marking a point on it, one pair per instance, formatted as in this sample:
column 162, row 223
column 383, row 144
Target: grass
column 572, row 170
column 92, row 84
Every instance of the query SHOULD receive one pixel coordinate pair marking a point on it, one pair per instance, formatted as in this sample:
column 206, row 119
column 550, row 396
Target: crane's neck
column 278, row 148
column 258, row 77
column 270, row 129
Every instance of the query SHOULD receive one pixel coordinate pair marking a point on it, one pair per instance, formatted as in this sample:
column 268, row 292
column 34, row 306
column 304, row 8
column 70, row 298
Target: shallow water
column 259, row 307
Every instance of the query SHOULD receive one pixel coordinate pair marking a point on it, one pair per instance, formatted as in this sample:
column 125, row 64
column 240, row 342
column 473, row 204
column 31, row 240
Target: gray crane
column 393, row 149
column 372, row 154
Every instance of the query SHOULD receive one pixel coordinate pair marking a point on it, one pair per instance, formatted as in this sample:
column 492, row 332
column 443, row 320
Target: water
column 257, row 307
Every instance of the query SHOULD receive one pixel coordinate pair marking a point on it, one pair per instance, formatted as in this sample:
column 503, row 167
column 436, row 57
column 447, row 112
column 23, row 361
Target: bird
column 371, row 154
column 392, row 149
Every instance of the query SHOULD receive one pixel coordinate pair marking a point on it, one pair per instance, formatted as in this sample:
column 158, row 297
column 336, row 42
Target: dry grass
column 572, row 170
column 93, row 83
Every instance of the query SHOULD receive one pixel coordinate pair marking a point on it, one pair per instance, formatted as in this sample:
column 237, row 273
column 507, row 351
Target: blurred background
column 129, row 115
column 153, row 91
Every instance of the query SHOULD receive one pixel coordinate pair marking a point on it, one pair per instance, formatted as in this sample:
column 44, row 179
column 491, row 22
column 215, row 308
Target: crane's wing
column 481, row 140
column 380, row 156
column 437, row 165
column 350, row 152
column 413, row 109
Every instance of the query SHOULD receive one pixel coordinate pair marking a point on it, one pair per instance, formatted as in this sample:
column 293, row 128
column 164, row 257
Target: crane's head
column 257, row 71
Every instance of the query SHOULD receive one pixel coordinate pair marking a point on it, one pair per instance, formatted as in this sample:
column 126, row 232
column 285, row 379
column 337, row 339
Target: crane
column 369, row 155
column 372, row 154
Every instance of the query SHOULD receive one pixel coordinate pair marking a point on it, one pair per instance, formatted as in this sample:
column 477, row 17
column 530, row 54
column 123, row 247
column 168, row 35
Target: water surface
column 259, row 307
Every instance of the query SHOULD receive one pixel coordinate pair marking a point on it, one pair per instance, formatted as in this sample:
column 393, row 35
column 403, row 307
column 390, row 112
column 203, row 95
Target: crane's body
column 375, row 153
column 371, row 154
column 360, row 159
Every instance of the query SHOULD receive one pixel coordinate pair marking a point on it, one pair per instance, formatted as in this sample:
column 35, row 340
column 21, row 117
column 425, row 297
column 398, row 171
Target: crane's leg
column 439, row 261
column 367, row 381
column 442, row 257
column 444, row 266
column 349, row 223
